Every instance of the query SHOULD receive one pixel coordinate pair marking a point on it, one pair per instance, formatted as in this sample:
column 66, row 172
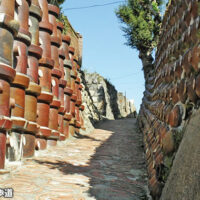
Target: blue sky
column 104, row 51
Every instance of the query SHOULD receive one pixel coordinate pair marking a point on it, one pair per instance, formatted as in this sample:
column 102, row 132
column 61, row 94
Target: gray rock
column 102, row 101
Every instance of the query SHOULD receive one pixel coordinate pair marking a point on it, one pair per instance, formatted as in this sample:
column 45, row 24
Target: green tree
column 142, row 21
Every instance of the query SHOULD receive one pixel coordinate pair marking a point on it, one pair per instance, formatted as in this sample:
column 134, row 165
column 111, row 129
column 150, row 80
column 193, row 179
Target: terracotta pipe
column 73, row 80
column 62, row 85
column 81, row 108
column 73, row 113
column 23, row 38
column 2, row 148
column 71, row 54
column 67, row 91
column 67, row 119
column 45, row 31
column 79, row 92
column 34, row 51
column 61, row 62
column 43, row 108
column 46, row 64
column 77, row 105
column 55, row 40
column 20, row 124
column 77, row 116
column 76, row 65
column 8, row 29
column 77, row 83
column 21, row 81
column 67, row 62
column 72, row 104
column 56, row 75
column 67, row 105
column 72, row 124
column 60, row 27
column 61, row 126
column 62, row 81
column 53, row 118
column 34, row 90
column 20, row 54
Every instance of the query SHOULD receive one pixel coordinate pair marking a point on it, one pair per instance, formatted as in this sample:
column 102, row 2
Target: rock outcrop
column 102, row 101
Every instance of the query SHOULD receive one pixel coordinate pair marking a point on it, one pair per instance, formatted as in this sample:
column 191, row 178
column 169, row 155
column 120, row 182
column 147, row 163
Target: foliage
column 56, row 2
column 65, row 22
column 61, row 17
column 142, row 21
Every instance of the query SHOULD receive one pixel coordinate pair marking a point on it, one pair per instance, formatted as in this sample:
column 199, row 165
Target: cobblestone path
column 107, row 164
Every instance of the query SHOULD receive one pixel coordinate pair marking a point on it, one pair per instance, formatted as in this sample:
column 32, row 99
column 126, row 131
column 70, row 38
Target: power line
column 93, row 6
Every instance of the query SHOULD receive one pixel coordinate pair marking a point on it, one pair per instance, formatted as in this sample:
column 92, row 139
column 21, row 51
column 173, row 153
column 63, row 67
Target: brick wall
column 172, row 89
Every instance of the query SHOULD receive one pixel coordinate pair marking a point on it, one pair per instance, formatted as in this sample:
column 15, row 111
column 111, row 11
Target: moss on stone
column 178, row 135
column 168, row 162
column 169, row 158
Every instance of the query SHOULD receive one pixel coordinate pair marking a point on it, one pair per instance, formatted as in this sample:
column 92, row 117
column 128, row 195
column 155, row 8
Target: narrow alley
column 107, row 164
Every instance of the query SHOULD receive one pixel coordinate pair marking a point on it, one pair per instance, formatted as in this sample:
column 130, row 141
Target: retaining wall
column 40, row 91
column 172, row 90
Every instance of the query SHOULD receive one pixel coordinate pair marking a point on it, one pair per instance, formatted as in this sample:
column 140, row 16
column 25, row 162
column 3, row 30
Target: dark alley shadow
column 117, row 169
column 80, row 136
column 113, row 99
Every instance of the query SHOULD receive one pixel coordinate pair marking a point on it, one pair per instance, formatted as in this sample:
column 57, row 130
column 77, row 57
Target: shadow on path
column 117, row 168
column 80, row 136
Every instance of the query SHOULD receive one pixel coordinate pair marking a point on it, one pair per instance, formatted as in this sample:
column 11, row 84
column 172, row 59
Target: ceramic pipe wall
column 8, row 30
column 40, row 92
column 73, row 75
column 62, row 85
column 34, row 89
column 46, row 64
column 66, row 40
column 56, row 75
column 20, row 84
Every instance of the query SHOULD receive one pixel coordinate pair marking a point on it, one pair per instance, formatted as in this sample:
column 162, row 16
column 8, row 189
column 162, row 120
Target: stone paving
column 107, row 164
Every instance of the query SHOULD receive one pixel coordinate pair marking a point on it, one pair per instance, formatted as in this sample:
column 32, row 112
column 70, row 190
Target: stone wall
column 126, row 108
column 172, row 90
column 102, row 101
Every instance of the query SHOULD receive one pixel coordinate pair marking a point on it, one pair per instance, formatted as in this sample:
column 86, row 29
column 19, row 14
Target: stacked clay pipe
column 8, row 30
column 40, row 91
column 34, row 55
column 56, row 75
column 67, row 90
column 22, row 134
column 73, row 101
column 172, row 89
column 46, row 64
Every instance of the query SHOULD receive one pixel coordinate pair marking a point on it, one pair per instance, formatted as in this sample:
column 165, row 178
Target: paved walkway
column 107, row 164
